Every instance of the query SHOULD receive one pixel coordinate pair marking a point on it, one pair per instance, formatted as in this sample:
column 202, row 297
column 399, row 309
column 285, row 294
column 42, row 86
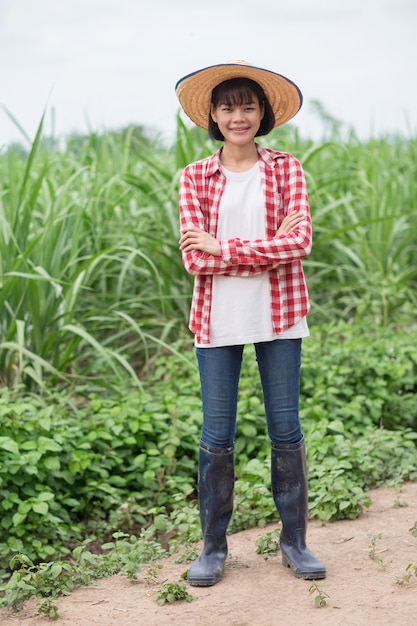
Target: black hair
column 238, row 91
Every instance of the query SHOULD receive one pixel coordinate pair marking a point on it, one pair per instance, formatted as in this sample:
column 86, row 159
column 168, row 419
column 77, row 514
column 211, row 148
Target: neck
column 238, row 158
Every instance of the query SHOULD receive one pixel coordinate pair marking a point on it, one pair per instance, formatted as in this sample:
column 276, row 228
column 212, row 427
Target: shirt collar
column 214, row 164
column 265, row 154
column 269, row 156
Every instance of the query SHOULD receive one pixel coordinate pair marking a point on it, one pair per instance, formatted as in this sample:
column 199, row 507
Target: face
column 238, row 123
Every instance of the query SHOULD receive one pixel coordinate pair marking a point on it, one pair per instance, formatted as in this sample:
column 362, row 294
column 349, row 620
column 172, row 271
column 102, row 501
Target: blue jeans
column 279, row 365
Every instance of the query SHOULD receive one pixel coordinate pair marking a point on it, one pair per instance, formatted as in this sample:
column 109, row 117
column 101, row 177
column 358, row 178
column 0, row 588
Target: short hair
column 238, row 91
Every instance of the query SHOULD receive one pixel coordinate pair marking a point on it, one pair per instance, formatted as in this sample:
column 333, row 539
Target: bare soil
column 258, row 592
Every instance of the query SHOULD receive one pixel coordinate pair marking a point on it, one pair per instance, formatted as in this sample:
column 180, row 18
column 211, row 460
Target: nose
column 238, row 113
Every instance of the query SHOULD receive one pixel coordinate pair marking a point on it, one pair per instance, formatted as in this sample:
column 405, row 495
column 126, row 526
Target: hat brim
column 194, row 91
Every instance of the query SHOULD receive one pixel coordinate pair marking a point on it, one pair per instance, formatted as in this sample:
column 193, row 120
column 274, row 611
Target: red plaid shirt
column 201, row 187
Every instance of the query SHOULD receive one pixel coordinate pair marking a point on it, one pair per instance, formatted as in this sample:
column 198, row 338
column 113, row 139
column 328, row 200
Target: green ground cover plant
column 47, row 581
column 69, row 470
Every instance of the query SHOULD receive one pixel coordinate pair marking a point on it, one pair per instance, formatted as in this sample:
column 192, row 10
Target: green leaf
column 18, row 518
column 6, row 443
column 40, row 507
column 45, row 496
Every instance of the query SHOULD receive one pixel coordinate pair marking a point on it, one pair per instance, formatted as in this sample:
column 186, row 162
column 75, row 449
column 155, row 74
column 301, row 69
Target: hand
column 289, row 223
column 196, row 239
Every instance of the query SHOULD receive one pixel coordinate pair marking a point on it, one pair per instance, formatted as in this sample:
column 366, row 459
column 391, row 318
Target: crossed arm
column 196, row 239
column 204, row 254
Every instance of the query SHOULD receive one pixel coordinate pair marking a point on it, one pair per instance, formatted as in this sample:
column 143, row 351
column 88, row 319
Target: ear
column 213, row 113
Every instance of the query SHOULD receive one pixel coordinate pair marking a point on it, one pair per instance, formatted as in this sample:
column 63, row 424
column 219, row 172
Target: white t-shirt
column 241, row 306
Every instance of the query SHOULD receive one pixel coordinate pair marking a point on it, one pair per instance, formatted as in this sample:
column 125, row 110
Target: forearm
column 201, row 263
column 281, row 249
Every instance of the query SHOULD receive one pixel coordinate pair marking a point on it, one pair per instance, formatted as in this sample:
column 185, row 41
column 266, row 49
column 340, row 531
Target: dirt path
column 255, row 592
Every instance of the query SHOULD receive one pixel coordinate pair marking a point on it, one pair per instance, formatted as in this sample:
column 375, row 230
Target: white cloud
column 117, row 61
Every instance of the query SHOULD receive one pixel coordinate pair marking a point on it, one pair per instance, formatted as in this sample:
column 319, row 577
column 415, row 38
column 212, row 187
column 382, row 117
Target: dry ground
column 255, row 592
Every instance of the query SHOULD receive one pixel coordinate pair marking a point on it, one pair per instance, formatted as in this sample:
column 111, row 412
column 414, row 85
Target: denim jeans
column 279, row 365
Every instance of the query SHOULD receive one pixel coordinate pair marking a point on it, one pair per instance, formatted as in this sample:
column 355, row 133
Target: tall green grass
column 364, row 206
column 81, row 292
column 365, row 229
column 91, row 279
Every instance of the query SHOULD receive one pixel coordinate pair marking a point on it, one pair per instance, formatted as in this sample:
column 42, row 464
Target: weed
column 398, row 503
column 151, row 577
column 320, row 597
column 411, row 569
column 185, row 554
column 172, row 592
column 124, row 556
column 268, row 544
column 233, row 562
column 372, row 547
column 46, row 581
column 48, row 607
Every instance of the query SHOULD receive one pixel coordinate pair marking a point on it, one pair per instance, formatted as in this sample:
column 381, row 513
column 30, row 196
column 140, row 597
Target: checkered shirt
column 201, row 187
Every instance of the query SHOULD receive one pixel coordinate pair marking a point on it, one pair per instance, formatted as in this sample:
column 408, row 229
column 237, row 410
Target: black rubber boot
column 289, row 489
column 216, row 477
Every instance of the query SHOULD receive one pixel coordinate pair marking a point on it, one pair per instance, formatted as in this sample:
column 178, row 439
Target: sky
column 97, row 65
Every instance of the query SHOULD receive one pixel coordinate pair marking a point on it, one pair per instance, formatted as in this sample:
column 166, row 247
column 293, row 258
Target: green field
column 99, row 397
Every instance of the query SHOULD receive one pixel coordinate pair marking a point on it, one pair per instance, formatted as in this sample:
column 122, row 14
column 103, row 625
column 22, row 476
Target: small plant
column 121, row 556
column 372, row 547
column 268, row 544
column 46, row 581
column 233, row 562
column 411, row 569
column 398, row 503
column 185, row 554
column 48, row 607
column 172, row 592
column 320, row 595
column 151, row 577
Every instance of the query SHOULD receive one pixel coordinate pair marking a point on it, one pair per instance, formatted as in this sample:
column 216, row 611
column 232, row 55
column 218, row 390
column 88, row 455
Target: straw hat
column 194, row 90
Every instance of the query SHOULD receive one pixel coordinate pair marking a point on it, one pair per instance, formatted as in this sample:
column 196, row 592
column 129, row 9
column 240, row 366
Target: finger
column 293, row 221
column 189, row 242
column 188, row 235
column 185, row 237
column 190, row 232
column 294, row 217
column 191, row 229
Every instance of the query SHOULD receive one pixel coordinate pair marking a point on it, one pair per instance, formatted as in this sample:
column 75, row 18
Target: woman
column 245, row 228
